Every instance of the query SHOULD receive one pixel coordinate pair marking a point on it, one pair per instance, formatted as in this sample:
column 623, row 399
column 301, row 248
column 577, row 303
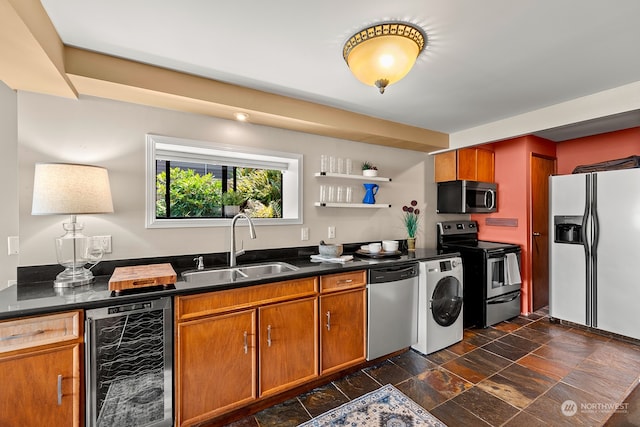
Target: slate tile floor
column 516, row 373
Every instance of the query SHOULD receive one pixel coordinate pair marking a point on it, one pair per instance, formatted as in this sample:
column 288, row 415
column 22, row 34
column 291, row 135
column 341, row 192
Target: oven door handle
column 503, row 300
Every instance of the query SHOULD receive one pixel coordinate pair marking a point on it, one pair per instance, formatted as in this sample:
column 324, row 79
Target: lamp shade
column 62, row 188
column 382, row 54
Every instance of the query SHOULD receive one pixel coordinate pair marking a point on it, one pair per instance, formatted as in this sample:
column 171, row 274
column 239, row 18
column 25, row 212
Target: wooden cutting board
column 140, row 276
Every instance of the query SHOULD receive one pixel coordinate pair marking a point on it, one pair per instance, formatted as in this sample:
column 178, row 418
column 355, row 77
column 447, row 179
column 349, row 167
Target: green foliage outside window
column 263, row 188
column 192, row 195
column 195, row 195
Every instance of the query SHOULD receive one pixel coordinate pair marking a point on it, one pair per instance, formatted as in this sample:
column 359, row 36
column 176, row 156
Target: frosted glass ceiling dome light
column 384, row 53
column 71, row 189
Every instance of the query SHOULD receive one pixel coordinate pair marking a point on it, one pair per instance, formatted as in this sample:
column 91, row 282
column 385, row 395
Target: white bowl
column 390, row 245
column 374, row 248
column 364, row 248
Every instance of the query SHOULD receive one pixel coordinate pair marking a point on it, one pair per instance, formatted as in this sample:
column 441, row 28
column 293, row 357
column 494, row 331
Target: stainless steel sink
column 262, row 270
column 206, row 277
column 229, row 275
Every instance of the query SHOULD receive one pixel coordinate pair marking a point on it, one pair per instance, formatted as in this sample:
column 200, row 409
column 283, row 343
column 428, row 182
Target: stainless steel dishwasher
column 392, row 294
column 129, row 364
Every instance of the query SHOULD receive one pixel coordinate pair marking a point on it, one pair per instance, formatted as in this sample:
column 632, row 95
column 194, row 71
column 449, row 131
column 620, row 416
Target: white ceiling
column 485, row 60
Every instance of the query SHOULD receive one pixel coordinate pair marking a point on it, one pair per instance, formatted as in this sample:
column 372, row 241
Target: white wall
column 112, row 134
column 601, row 104
column 9, row 180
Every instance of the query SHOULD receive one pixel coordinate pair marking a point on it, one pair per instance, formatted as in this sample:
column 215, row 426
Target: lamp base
column 72, row 277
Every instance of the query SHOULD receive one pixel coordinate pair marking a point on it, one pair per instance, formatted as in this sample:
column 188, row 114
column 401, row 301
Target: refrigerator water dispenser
column 568, row 229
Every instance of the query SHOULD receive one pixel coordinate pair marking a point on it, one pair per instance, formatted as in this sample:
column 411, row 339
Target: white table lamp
column 72, row 189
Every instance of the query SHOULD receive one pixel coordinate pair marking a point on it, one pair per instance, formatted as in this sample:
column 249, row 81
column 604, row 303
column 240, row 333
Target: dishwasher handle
column 393, row 273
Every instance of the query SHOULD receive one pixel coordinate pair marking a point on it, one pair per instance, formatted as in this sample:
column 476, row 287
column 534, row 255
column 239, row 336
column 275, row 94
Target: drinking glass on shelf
column 340, row 194
column 340, row 167
column 333, row 167
column 324, row 163
column 348, row 166
column 323, row 193
column 348, row 195
column 331, row 193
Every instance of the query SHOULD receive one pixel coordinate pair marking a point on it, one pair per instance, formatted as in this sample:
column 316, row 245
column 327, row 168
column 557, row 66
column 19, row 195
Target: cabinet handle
column 246, row 343
column 59, row 390
column 328, row 320
column 345, row 281
column 269, row 335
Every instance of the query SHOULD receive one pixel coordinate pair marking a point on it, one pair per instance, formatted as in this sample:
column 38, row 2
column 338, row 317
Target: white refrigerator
column 594, row 257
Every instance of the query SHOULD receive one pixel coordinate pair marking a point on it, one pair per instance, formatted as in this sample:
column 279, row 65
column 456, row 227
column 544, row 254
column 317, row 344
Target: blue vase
column 370, row 191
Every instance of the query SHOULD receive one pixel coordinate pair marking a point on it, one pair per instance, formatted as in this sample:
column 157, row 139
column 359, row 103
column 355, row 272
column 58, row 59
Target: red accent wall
column 512, row 174
column 597, row 148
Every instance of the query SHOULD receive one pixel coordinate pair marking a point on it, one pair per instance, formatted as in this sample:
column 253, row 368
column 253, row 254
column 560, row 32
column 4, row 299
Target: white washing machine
column 440, row 304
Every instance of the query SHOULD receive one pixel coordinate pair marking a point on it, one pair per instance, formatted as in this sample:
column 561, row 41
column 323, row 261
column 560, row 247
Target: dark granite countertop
column 35, row 297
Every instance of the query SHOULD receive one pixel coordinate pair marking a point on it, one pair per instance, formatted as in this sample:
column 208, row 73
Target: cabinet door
column 475, row 164
column 467, row 164
column 445, row 167
column 41, row 388
column 215, row 365
column 342, row 330
column 288, row 344
column 485, row 165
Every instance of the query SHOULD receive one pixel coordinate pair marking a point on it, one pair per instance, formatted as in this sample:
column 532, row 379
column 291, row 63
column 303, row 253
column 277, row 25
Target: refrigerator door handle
column 585, row 218
column 594, row 251
column 586, row 242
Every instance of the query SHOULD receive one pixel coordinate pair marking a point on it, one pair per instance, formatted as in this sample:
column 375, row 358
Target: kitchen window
column 186, row 180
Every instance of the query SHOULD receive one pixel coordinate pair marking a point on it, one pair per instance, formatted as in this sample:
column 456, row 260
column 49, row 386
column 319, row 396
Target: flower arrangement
column 410, row 217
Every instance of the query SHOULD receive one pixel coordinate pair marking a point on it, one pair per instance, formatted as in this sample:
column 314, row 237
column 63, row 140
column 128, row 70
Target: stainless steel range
column 492, row 278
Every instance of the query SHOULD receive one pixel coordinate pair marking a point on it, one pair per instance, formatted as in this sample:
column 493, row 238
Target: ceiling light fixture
column 383, row 54
column 241, row 117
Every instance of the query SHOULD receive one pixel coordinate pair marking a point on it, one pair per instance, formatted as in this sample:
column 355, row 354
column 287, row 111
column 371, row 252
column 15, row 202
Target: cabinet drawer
column 35, row 331
column 192, row 306
column 341, row 281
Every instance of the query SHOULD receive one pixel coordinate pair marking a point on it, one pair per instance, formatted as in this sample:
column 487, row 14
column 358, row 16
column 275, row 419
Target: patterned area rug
column 385, row 407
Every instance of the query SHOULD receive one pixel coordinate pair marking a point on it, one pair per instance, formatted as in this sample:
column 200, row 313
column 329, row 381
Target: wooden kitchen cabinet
column 239, row 345
column 343, row 320
column 473, row 164
column 215, row 365
column 41, row 370
column 288, row 345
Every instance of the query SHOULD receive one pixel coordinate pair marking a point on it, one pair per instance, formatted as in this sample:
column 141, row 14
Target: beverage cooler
column 129, row 364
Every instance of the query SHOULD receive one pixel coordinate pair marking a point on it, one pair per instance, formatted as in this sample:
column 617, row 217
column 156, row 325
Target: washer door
column 446, row 302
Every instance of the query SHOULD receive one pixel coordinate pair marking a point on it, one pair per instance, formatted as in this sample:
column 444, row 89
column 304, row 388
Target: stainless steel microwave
column 467, row 197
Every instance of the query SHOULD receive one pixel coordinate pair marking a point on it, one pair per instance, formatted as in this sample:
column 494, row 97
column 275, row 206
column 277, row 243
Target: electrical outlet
column 331, row 232
column 304, row 233
column 104, row 242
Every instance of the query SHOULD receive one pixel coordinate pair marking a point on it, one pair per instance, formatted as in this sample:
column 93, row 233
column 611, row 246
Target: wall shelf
column 352, row 205
column 356, row 177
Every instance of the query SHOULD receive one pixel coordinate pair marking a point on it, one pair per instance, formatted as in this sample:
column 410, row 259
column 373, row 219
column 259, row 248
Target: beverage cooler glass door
column 129, row 365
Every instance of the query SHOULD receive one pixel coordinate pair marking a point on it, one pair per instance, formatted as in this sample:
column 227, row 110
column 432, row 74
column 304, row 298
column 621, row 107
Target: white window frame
column 199, row 151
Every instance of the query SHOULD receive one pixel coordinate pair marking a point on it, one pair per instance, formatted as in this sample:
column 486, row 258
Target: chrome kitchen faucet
column 232, row 249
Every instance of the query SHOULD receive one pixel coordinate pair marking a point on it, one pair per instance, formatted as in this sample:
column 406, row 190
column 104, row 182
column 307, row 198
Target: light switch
column 13, row 243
